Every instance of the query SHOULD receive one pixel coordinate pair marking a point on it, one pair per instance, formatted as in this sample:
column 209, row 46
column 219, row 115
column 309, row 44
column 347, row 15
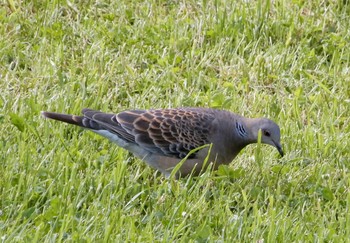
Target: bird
column 165, row 137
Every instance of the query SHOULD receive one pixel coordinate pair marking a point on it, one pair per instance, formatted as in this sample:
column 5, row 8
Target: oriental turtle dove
column 164, row 137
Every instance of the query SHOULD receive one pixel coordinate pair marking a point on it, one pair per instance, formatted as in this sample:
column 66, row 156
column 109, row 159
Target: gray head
column 270, row 132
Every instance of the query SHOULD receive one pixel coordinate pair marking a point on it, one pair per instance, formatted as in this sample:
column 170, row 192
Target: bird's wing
column 171, row 132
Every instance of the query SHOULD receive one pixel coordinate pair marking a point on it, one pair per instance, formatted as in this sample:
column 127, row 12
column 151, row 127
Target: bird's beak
column 279, row 148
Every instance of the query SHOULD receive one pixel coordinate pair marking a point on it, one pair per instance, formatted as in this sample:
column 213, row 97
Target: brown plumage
column 163, row 137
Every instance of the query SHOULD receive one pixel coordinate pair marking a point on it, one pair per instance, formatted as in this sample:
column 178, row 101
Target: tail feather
column 71, row 119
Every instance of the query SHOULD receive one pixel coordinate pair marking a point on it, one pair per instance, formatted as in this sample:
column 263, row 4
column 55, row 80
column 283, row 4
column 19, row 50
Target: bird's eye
column 267, row 133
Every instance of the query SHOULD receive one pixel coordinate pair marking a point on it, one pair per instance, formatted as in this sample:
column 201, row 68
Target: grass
column 288, row 61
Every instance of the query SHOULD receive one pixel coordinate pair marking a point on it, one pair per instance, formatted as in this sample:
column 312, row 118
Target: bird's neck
column 252, row 127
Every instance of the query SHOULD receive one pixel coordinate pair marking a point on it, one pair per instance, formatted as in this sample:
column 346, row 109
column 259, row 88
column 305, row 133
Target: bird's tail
column 71, row 119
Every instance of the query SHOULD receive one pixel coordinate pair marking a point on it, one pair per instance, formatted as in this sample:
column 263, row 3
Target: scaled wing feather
column 172, row 132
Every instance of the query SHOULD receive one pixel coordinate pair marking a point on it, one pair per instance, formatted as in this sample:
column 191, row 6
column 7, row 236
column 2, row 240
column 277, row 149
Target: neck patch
column 240, row 129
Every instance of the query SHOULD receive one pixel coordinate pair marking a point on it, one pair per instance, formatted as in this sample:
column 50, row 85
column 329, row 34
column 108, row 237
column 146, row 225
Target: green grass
column 286, row 60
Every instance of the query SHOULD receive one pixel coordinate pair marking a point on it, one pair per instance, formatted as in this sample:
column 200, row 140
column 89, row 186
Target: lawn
column 285, row 60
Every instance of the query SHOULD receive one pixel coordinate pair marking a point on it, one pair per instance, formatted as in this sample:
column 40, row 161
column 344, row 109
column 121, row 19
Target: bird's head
column 270, row 133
